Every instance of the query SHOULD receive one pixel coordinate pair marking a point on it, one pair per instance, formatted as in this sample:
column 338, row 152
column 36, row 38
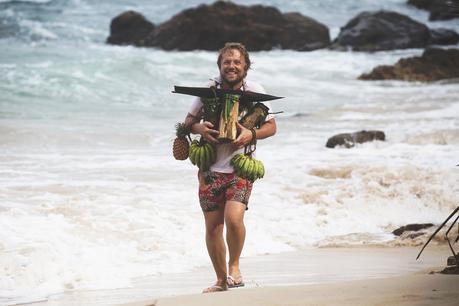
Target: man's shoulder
column 254, row 86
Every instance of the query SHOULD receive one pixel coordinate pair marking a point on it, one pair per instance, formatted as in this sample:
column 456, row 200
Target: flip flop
column 214, row 288
column 232, row 283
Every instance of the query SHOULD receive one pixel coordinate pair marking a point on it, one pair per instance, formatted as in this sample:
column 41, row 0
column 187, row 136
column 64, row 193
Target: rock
column 383, row 30
column 434, row 64
column 411, row 227
column 350, row 139
column 130, row 28
column 439, row 9
column 258, row 27
column 443, row 36
column 450, row 270
column 451, row 261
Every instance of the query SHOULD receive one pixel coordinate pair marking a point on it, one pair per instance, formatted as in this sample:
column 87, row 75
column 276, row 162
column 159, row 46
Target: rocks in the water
column 412, row 228
column 434, row 64
column 450, row 270
column 385, row 30
column 209, row 27
column 130, row 28
column 451, row 261
column 439, row 9
column 441, row 36
column 350, row 139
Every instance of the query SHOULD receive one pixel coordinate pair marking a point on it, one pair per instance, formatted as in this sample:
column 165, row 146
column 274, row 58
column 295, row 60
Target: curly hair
column 237, row 46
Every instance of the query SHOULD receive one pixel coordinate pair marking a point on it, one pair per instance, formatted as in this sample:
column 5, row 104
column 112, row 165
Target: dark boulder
column 439, row 9
column 411, row 228
column 450, row 270
column 258, row 27
column 130, row 28
column 443, row 36
column 350, row 139
column 384, row 30
column 434, row 64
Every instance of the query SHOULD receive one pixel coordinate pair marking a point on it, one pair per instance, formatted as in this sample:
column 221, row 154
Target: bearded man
column 223, row 195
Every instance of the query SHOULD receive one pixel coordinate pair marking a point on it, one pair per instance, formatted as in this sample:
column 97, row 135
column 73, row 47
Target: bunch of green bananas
column 202, row 155
column 248, row 167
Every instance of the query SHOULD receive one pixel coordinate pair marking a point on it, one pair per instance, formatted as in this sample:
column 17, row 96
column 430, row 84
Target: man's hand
column 244, row 138
column 206, row 131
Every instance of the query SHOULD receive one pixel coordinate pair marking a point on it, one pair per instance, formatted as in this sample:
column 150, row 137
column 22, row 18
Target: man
column 223, row 195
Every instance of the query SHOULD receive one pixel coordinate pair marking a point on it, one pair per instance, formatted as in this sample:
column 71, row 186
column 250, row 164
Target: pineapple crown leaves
column 182, row 130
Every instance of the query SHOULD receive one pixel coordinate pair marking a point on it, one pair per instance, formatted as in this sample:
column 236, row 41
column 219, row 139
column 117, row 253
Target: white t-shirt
column 225, row 151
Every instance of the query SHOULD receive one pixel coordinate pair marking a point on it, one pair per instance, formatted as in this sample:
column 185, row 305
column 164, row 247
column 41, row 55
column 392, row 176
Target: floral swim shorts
column 216, row 188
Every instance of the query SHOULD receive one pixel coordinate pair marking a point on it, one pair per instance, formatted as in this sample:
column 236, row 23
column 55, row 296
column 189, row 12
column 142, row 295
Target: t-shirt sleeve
column 270, row 116
column 195, row 107
column 255, row 87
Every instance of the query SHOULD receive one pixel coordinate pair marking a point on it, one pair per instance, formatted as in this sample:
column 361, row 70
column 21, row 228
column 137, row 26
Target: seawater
column 91, row 197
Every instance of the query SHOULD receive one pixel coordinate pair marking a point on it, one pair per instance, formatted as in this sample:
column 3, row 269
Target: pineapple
column 181, row 145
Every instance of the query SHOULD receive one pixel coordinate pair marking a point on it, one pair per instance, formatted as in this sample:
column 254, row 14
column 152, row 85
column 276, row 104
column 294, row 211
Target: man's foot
column 215, row 288
column 234, row 282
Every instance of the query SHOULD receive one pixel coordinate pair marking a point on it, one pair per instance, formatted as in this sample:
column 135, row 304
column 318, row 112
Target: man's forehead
column 232, row 53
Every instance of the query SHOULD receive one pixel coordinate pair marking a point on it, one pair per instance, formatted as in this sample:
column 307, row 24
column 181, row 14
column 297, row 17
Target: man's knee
column 214, row 229
column 234, row 220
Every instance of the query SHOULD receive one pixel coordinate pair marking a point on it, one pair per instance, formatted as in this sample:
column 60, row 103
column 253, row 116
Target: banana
column 237, row 163
column 212, row 154
column 256, row 169
column 244, row 166
column 198, row 156
column 202, row 155
column 261, row 170
column 240, row 165
column 206, row 156
column 251, row 169
column 248, row 168
column 235, row 160
column 192, row 154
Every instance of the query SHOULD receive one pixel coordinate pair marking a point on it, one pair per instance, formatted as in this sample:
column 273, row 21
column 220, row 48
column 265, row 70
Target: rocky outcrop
column 130, row 28
column 350, row 139
column 439, row 9
column 208, row 27
column 385, row 30
column 411, row 228
column 434, row 64
column 441, row 36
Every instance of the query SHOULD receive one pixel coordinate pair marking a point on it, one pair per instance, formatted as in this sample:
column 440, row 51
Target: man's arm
column 204, row 128
column 268, row 129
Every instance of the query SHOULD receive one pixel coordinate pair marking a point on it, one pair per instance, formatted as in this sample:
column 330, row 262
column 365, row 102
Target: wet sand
column 324, row 276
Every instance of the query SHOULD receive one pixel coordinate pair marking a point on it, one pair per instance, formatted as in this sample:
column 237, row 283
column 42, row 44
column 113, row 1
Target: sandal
column 235, row 283
column 215, row 288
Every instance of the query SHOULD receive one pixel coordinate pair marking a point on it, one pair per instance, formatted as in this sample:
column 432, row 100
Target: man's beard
column 236, row 81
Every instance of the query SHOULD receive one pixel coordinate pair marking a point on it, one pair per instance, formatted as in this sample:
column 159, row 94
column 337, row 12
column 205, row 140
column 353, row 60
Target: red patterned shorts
column 216, row 188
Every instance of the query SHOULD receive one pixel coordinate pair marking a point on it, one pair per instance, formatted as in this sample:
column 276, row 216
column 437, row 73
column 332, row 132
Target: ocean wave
column 26, row 1
column 438, row 137
column 407, row 239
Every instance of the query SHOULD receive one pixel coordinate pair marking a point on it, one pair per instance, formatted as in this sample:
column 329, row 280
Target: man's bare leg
column 216, row 244
column 235, row 235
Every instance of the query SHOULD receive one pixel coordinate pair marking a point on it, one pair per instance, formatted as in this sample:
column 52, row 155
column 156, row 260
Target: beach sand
column 419, row 289
column 320, row 276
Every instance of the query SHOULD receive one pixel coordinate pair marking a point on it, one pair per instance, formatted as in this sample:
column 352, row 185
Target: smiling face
column 233, row 68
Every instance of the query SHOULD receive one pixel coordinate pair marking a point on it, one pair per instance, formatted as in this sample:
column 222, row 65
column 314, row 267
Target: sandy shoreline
column 324, row 276
column 418, row 289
